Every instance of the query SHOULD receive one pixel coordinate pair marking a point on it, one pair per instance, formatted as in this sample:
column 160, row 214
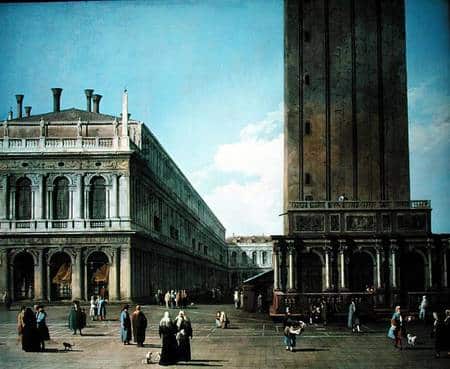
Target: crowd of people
column 97, row 310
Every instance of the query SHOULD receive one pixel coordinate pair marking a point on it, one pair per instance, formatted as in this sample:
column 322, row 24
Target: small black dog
column 67, row 346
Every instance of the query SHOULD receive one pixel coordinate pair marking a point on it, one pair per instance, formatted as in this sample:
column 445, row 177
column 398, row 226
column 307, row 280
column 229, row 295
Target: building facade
column 91, row 203
column 350, row 225
column 247, row 257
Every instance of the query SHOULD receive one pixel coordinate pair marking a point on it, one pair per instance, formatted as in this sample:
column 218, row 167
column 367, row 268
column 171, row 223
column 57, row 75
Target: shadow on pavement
column 309, row 349
column 94, row 334
column 151, row 345
column 53, row 351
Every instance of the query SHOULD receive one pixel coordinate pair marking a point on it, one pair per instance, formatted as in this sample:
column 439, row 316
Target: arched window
column 254, row 257
column 23, row 199
column 61, row 198
column 264, row 257
column 233, row 258
column 243, row 258
column 97, row 199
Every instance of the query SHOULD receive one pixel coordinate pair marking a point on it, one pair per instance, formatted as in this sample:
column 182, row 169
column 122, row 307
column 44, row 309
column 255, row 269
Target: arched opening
column 23, row 276
column 360, row 272
column 412, row 274
column 60, row 276
column 310, row 273
column 61, row 198
column 244, row 258
column 254, row 258
column 23, row 199
column 97, row 198
column 97, row 274
column 264, row 258
column 233, row 258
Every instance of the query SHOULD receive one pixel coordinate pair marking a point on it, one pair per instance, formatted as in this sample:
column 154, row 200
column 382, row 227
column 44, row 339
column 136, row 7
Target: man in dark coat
column 31, row 340
column 76, row 318
column 139, row 323
column 125, row 326
column 169, row 344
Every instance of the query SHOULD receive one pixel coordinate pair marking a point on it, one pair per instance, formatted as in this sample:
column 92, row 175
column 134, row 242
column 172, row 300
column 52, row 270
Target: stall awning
column 101, row 274
column 64, row 275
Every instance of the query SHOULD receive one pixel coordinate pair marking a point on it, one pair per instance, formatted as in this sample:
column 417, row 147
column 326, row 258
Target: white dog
column 151, row 358
column 411, row 339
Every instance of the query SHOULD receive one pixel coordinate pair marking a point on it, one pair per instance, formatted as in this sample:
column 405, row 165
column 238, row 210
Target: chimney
column 19, row 99
column 27, row 111
column 10, row 114
column 88, row 93
column 96, row 98
column 56, row 99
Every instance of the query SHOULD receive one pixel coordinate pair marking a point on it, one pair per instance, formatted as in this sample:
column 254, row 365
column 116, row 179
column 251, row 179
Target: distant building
column 351, row 228
column 248, row 256
column 91, row 203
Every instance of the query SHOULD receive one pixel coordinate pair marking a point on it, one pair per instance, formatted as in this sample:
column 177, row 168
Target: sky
column 207, row 79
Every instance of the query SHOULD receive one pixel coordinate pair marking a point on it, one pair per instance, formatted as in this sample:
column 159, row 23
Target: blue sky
column 207, row 78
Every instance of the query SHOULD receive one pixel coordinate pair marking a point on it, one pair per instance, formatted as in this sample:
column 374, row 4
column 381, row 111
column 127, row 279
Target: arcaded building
column 91, row 203
column 248, row 256
column 351, row 228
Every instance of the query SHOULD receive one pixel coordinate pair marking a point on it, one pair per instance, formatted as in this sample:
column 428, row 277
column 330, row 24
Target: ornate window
column 264, row 257
column 233, row 258
column 97, row 199
column 23, row 199
column 243, row 258
column 254, row 257
column 61, row 198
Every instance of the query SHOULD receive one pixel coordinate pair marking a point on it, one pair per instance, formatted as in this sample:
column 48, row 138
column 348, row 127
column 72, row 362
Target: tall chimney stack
column 57, row 99
column 88, row 93
column 19, row 99
column 27, row 111
column 96, row 98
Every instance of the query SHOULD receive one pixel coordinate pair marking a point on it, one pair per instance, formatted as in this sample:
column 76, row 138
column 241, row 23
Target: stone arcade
column 350, row 226
column 91, row 203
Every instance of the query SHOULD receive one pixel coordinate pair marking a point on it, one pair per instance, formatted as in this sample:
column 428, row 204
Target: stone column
column 124, row 197
column 327, row 268
column 291, row 271
column 341, row 261
column 49, row 282
column 429, row 277
column 125, row 273
column 77, row 287
column 39, row 267
column 444, row 266
column 378, row 254
column 276, row 265
column 114, row 273
column 113, row 199
column 4, row 271
column 49, row 204
column 3, row 196
column 37, row 196
column 12, row 204
column 393, row 263
column 78, row 197
column 87, row 189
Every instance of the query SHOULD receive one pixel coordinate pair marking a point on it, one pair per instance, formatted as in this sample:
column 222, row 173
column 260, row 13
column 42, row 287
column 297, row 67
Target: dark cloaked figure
column 167, row 332
column 76, row 318
column 31, row 341
column 139, row 323
column 125, row 326
column 184, row 333
column 439, row 334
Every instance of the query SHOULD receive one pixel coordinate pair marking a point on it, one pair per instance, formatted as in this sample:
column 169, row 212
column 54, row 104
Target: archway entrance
column 60, row 276
column 310, row 273
column 360, row 271
column 412, row 272
column 23, row 282
column 97, row 274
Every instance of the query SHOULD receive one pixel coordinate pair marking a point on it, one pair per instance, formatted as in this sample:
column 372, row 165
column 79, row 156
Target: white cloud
column 248, row 198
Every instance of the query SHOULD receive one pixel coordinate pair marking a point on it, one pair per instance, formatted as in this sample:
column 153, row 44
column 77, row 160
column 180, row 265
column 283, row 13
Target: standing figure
column 241, row 299
column 139, row 323
column 125, row 325
column 423, row 308
column 20, row 323
column 323, row 311
column 395, row 331
column 236, row 299
column 184, row 333
column 6, row 300
column 101, row 307
column 75, row 318
column 218, row 319
column 224, row 321
column 172, row 299
column 42, row 327
column 351, row 315
column 93, row 308
column 167, row 299
column 259, row 303
column 290, row 334
column 438, row 334
column 178, row 299
column 30, row 334
column 169, row 343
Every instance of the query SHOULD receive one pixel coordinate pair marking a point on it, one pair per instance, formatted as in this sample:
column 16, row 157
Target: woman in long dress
column 169, row 344
column 30, row 333
column 184, row 333
column 125, row 326
column 139, row 323
column 395, row 331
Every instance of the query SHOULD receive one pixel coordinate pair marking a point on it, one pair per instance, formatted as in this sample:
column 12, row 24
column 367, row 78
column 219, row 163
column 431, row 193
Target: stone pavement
column 253, row 341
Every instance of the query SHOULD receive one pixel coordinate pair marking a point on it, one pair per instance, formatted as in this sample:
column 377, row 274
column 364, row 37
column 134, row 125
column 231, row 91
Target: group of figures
column 97, row 310
column 135, row 324
column 222, row 320
column 172, row 299
column 175, row 335
column 291, row 330
column 440, row 330
column 32, row 328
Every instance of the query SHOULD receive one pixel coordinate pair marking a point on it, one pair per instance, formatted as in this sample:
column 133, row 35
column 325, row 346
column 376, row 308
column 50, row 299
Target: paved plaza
column 253, row 341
